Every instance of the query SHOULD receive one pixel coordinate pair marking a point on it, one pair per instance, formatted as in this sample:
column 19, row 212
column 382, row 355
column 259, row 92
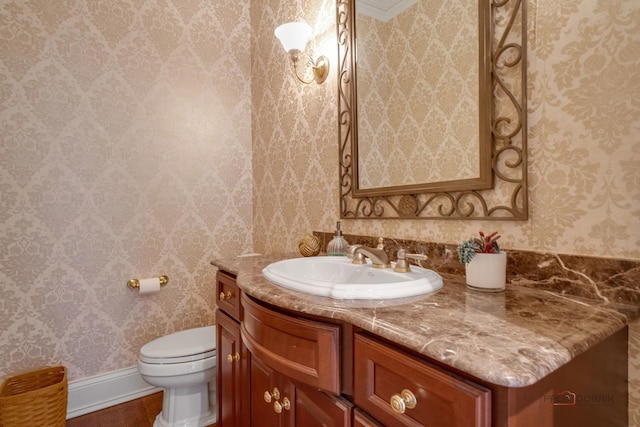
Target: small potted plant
column 485, row 263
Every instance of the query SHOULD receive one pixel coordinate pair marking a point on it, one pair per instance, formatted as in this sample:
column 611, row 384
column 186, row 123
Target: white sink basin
column 337, row 277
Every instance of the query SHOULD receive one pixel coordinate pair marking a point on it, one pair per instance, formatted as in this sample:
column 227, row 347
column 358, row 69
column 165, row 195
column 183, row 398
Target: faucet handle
column 358, row 258
column 402, row 265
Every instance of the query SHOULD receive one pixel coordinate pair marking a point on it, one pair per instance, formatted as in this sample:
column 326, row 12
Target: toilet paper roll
column 149, row 286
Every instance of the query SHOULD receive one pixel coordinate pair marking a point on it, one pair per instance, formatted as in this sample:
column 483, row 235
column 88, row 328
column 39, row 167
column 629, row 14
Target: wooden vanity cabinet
column 232, row 356
column 295, row 378
column 329, row 373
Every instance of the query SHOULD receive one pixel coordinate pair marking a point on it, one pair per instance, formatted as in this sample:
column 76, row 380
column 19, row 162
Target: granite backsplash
column 605, row 279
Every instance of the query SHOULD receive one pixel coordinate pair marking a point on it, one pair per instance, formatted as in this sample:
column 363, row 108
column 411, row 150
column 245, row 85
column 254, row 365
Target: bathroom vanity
column 523, row 357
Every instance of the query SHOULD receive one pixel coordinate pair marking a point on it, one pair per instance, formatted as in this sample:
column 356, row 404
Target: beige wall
column 295, row 148
column 125, row 151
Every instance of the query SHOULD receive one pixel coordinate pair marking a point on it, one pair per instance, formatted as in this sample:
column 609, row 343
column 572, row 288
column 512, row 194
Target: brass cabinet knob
column 278, row 407
column 226, row 296
column 286, row 404
column 275, row 395
column 403, row 401
column 233, row 357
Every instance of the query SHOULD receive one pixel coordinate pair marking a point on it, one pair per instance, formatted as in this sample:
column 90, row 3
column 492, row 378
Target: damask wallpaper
column 125, row 151
column 145, row 137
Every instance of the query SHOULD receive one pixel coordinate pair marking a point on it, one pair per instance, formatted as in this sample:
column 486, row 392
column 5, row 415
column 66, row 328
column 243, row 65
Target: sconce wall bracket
column 320, row 69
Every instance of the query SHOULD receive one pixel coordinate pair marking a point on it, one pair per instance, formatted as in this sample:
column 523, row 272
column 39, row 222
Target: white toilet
column 184, row 365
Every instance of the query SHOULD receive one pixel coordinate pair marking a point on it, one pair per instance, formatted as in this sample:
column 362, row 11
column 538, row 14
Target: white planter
column 487, row 272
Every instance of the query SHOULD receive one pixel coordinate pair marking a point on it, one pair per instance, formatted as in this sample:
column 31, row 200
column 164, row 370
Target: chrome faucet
column 378, row 257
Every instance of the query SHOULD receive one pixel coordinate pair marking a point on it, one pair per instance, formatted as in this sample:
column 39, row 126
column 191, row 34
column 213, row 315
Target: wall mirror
column 431, row 102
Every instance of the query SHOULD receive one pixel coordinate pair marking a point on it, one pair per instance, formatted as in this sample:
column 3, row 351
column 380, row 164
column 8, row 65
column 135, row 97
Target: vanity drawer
column 383, row 375
column 228, row 294
column 302, row 349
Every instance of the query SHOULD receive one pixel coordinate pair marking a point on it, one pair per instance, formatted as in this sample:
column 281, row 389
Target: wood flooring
column 136, row 413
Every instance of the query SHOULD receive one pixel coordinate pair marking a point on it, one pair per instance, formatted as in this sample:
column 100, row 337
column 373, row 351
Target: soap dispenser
column 337, row 246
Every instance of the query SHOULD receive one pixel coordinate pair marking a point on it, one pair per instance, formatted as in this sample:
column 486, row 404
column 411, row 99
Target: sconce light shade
column 293, row 35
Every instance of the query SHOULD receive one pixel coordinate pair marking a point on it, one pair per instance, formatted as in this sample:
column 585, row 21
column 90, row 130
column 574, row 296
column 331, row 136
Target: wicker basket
column 37, row 398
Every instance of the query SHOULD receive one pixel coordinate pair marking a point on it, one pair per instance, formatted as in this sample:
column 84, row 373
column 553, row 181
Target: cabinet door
column 400, row 390
column 232, row 368
column 314, row 408
column 277, row 401
column 266, row 395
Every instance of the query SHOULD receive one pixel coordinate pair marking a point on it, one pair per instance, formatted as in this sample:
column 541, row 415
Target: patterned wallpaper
column 295, row 149
column 125, row 151
column 137, row 136
column 418, row 83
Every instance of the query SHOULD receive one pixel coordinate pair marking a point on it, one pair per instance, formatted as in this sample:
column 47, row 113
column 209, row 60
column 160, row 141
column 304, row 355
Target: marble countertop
column 512, row 338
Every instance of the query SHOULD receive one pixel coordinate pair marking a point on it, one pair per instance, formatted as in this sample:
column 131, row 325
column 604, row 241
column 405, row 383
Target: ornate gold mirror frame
column 507, row 199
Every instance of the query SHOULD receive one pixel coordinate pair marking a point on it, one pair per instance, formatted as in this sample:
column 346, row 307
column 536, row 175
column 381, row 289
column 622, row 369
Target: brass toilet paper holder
column 135, row 283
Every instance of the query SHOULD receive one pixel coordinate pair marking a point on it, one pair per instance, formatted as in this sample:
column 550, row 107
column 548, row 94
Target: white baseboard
column 105, row 390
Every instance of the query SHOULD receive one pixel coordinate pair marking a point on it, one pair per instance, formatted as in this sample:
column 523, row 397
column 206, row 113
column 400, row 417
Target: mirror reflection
column 418, row 92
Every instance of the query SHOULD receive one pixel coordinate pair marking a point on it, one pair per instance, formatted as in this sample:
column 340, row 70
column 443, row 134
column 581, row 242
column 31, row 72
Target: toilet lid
column 193, row 344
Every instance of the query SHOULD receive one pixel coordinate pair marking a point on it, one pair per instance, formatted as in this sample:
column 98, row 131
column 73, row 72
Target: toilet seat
column 184, row 346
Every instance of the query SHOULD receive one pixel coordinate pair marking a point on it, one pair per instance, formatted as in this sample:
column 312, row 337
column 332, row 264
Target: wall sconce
column 294, row 37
